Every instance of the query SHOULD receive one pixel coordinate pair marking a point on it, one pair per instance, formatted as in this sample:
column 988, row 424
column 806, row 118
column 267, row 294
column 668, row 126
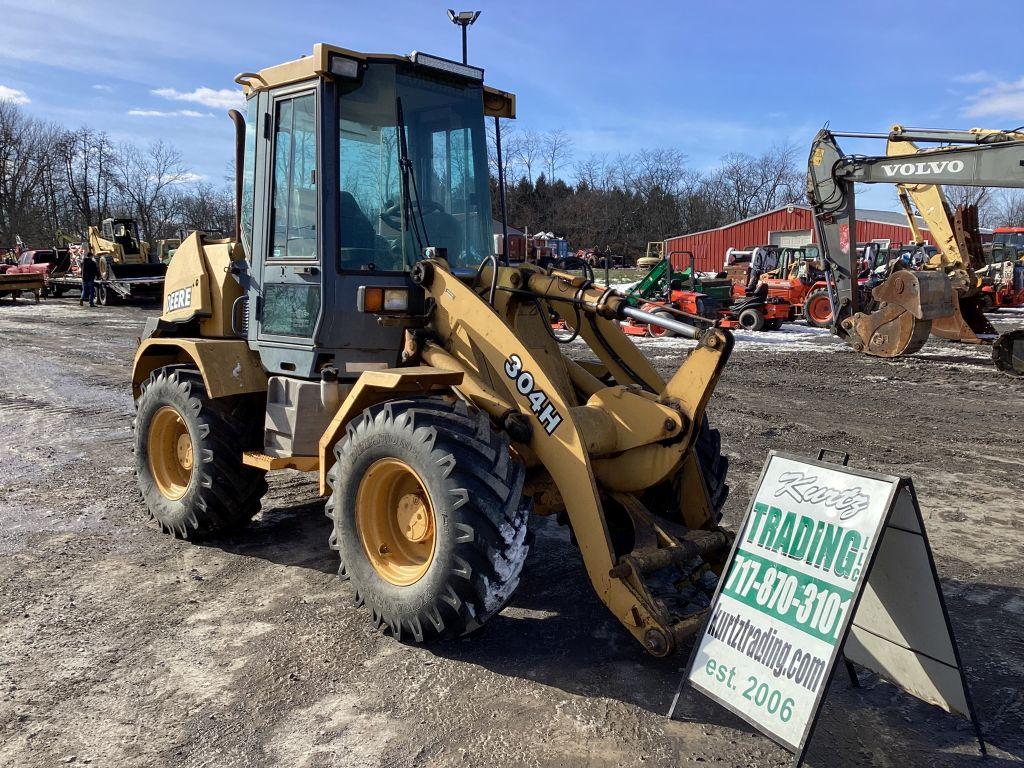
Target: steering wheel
column 391, row 214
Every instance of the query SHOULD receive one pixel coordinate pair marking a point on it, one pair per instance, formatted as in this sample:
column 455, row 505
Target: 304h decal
column 541, row 406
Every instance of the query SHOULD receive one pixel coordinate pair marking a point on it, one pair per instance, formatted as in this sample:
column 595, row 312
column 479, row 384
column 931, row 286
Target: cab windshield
column 413, row 172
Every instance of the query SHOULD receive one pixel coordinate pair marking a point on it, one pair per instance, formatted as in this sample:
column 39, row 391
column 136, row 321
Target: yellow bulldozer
column 360, row 325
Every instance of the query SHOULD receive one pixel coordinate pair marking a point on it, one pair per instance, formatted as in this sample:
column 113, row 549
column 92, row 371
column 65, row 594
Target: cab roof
column 496, row 102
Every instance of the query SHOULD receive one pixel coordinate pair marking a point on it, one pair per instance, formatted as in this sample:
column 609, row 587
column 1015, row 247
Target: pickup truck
column 41, row 262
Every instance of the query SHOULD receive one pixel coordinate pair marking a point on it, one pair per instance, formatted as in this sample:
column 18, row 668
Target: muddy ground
column 120, row 646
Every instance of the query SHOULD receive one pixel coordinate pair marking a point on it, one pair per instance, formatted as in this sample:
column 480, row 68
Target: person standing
column 90, row 271
column 761, row 260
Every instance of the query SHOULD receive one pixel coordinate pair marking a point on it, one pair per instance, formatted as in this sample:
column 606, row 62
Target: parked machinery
column 120, row 252
column 910, row 302
column 359, row 326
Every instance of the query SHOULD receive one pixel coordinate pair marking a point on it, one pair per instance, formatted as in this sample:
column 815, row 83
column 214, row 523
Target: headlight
column 396, row 300
column 380, row 300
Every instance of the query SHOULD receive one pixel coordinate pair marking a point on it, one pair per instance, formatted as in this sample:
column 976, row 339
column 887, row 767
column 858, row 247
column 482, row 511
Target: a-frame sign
column 829, row 564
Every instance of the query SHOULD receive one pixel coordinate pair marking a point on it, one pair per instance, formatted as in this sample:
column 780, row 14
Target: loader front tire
column 429, row 518
column 188, row 455
column 714, row 465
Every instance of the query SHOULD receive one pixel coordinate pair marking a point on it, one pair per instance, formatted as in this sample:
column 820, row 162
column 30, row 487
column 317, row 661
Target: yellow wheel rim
column 171, row 455
column 395, row 522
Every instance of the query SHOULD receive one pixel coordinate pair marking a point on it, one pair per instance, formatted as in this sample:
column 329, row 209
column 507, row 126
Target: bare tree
column 529, row 153
column 207, row 208
column 145, row 180
column 1007, row 209
column 87, row 157
column 556, row 149
column 25, row 161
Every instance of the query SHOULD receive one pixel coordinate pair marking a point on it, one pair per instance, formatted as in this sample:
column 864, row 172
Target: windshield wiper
column 413, row 215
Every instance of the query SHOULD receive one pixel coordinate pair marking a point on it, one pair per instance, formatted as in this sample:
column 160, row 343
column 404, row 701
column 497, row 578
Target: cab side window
column 294, row 197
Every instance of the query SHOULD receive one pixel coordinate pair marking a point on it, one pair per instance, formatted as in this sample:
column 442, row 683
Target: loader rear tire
column 188, row 455
column 429, row 518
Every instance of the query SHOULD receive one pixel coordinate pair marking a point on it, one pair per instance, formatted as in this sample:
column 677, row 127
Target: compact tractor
column 360, row 326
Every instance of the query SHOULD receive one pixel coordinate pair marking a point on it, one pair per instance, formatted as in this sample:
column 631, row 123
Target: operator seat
column 358, row 238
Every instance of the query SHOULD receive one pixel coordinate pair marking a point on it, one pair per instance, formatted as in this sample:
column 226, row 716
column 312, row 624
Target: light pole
column 463, row 19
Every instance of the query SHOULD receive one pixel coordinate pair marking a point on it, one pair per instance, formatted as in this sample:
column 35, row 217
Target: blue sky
column 704, row 77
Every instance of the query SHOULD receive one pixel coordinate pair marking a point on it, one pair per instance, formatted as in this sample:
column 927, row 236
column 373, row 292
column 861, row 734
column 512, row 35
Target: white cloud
column 225, row 98
column 1002, row 99
column 190, row 178
column 979, row 76
column 105, row 88
column 13, row 94
column 161, row 113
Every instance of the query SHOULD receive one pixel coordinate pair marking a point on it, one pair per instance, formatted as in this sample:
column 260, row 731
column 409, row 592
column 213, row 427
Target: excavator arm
column 908, row 302
column 959, row 252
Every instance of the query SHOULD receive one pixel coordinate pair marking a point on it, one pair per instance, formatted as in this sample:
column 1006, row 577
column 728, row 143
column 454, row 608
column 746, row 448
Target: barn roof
column 895, row 218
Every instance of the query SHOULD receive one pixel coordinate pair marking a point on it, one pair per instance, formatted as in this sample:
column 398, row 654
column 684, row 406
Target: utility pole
column 463, row 19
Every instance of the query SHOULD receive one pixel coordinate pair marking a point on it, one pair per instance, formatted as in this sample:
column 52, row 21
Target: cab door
column 290, row 300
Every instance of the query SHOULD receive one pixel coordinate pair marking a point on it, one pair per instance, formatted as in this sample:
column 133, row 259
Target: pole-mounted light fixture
column 463, row 19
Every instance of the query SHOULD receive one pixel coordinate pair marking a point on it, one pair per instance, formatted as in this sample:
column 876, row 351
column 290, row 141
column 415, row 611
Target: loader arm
column 909, row 301
column 591, row 443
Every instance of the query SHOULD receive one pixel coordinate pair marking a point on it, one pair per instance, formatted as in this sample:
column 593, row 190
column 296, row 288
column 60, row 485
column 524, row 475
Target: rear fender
column 228, row 366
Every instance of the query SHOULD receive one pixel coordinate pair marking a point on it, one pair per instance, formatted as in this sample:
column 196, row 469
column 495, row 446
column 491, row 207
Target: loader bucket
column 122, row 271
column 967, row 323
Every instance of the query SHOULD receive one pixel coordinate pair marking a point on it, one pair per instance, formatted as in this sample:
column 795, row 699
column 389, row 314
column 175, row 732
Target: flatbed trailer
column 14, row 285
column 110, row 291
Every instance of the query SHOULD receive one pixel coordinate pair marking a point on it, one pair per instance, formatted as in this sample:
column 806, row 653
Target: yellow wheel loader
column 359, row 325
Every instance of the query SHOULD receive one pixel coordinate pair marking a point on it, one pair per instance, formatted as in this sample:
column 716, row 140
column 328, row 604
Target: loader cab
column 349, row 174
column 124, row 232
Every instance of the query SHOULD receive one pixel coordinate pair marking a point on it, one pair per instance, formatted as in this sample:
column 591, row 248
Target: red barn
column 789, row 225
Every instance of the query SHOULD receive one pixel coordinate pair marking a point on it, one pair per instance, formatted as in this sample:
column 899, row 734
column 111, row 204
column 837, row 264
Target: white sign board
column 817, row 538
column 784, row 603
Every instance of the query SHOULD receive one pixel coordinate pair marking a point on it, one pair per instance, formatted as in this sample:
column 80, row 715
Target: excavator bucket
column 909, row 303
column 967, row 322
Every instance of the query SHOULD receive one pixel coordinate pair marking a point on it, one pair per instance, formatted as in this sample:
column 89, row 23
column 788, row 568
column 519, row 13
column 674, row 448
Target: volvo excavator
column 910, row 305
column 364, row 325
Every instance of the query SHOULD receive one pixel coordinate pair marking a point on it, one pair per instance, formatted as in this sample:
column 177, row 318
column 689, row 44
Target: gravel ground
column 124, row 647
